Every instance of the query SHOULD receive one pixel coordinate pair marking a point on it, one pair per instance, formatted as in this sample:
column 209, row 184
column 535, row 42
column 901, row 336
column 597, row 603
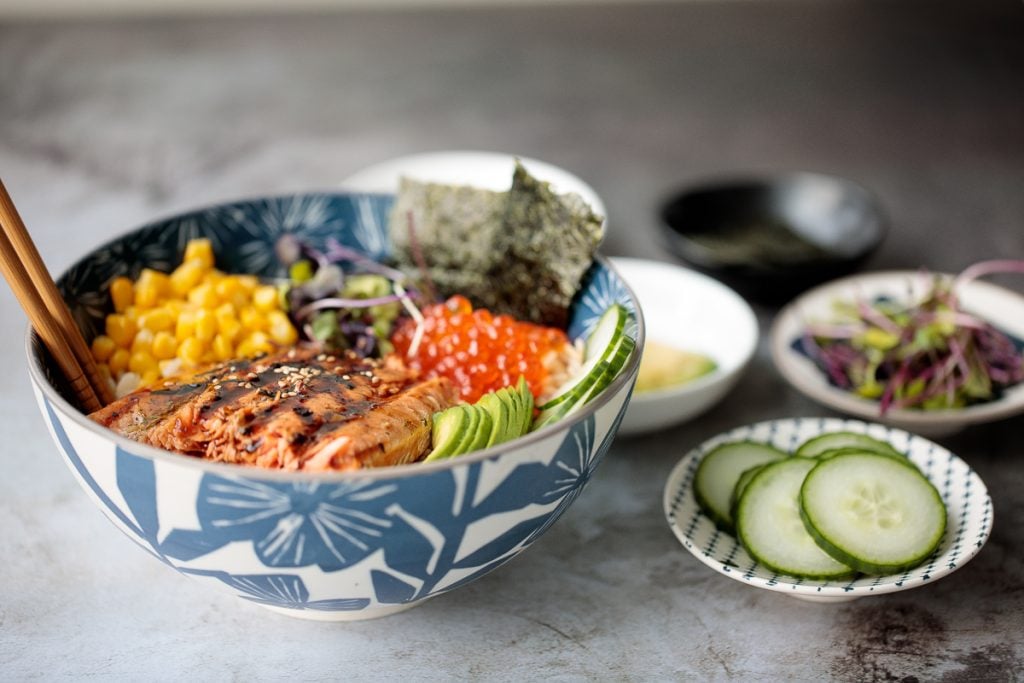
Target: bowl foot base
column 342, row 615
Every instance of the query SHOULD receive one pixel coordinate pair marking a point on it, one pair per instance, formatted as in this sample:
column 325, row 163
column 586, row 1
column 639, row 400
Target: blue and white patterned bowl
column 968, row 506
column 333, row 546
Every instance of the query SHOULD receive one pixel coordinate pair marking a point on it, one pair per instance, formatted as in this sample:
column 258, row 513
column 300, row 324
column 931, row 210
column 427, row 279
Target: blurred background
column 114, row 113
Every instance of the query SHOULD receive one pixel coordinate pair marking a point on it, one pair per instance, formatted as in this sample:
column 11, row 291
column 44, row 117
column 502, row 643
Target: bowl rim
column 51, row 395
column 813, row 588
column 719, row 375
column 793, row 370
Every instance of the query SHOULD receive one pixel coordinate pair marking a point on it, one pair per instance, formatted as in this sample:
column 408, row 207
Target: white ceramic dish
column 993, row 303
column 968, row 505
column 691, row 312
column 488, row 170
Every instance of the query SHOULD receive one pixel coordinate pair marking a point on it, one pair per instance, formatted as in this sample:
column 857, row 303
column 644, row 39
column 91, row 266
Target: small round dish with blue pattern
column 968, row 505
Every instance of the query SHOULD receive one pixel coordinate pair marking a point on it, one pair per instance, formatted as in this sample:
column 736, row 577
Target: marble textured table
column 108, row 124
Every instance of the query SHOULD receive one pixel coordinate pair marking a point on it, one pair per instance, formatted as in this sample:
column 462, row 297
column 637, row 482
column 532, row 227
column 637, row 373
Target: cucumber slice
column 741, row 485
column 719, row 471
column 876, row 513
column 769, row 524
column 587, row 387
column 610, row 326
column 599, row 347
column 817, row 446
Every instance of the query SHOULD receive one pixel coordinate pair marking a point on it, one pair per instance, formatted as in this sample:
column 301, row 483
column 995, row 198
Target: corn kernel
column 264, row 298
column 151, row 286
column 213, row 278
column 185, row 277
column 222, row 348
column 251, row 319
column 165, row 345
column 248, row 282
column 143, row 342
column 142, row 362
column 150, row 377
column 224, row 312
column 255, row 344
column 227, row 287
column 102, row 348
column 121, row 329
column 175, row 306
column 203, row 296
column 206, row 324
column 281, row 330
column 157, row 320
column 199, row 249
column 132, row 313
column 191, row 351
column 185, row 326
column 230, row 328
column 122, row 293
column 118, row 362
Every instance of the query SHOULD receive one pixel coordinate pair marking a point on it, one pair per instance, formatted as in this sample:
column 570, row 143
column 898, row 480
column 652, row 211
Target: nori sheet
column 521, row 252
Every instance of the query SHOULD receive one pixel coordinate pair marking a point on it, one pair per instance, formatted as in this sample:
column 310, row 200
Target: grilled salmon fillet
column 296, row 410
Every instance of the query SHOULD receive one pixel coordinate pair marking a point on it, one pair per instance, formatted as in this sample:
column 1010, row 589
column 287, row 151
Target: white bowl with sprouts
column 981, row 301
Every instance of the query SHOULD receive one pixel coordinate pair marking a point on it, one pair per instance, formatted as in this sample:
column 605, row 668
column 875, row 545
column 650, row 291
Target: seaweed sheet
column 522, row 252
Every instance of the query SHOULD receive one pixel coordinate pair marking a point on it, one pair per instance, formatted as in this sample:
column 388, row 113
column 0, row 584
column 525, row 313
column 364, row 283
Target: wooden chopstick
column 49, row 314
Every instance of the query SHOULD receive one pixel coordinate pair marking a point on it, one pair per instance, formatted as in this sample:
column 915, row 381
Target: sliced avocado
column 527, row 405
column 469, row 429
column 481, row 435
column 448, row 428
column 498, row 406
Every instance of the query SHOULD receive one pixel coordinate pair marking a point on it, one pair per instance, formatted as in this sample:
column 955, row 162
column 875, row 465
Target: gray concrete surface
column 108, row 124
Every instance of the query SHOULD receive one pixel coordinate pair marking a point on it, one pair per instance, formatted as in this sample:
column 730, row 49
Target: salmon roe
column 480, row 352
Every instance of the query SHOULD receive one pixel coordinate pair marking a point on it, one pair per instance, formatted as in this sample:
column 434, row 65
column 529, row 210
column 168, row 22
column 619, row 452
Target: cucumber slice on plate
column 875, row 513
column 741, row 486
column 769, row 524
column 719, row 471
column 818, row 446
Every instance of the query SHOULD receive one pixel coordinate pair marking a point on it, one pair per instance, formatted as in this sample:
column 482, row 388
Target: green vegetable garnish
column 929, row 354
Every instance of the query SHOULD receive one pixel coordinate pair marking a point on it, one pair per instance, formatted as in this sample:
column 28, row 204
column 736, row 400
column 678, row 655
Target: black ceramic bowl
column 771, row 238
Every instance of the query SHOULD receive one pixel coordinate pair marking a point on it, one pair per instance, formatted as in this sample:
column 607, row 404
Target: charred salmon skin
column 296, row 410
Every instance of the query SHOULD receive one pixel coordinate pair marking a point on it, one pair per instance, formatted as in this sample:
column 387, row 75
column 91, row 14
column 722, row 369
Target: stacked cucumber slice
column 843, row 503
column 604, row 355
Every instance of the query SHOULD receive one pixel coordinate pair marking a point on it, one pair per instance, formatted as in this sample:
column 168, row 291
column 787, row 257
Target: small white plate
column 998, row 305
column 486, row 170
column 968, row 505
column 691, row 312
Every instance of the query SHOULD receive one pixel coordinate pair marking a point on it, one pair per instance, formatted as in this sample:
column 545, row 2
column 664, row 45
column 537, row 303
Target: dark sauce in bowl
column 772, row 238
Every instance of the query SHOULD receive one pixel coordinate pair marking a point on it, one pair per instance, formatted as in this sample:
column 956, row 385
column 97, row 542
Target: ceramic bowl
column 1000, row 306
column 691, row 312
column 489, row 170
column 330, row 546
column 772, row 237
column 968, row 505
